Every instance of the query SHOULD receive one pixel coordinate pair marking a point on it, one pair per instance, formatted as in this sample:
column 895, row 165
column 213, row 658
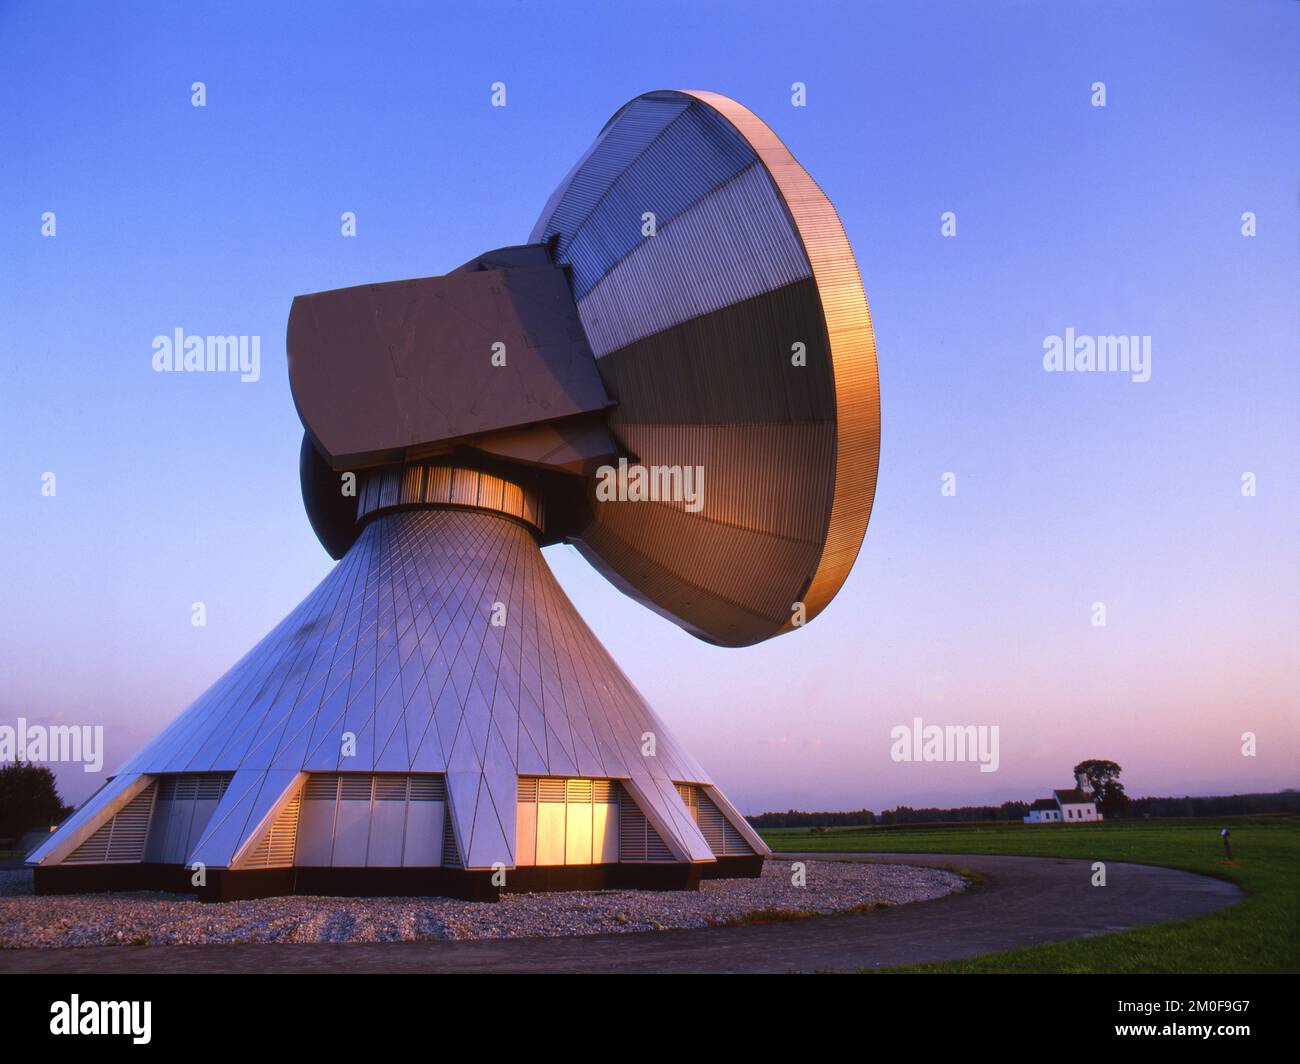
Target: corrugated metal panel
column 533, row 511
column 390, row 488
column 679, row 561
column 417, row 484
column 464, row 487
column 438, row 486
column 688, row 374
column 624, row 137
column 512, row 499
column 489, row 492
column 693, row 155
column 369, row 497
column 734, row 244
column 413, row 484
column 739, row 487
column 695, row 327
column 853, row 350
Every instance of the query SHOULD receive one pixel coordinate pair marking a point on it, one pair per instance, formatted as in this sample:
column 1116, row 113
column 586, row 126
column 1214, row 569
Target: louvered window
column 390, row 788
column 566, row 821
column 122, row 839
column 638, row 842
column 354, row 788
column 192, row 786
column 656, row 848
column 177, row 788
column 186, row 803
column 552, row 790
column 275, row 849
column 723, row 839
column 428, row 788
column 322, row 788
column 210, row 788
column 450, row 855
column 365, row 820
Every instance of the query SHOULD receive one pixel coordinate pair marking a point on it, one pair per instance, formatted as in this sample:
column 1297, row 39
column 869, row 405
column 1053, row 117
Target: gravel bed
column 148, row 918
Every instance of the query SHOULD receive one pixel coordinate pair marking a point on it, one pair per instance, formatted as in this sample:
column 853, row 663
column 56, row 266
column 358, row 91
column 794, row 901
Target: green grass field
column 1256, row 935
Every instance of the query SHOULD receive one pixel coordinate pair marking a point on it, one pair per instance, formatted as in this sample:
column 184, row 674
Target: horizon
column 970, row 609
column 1026, row 801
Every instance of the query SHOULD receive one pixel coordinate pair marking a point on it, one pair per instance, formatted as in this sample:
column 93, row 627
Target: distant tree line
column 904, row 814
column 1287, row 801
column 28, row 799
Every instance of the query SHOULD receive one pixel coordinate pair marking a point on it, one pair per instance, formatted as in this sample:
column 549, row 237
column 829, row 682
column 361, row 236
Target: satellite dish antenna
column 686, row 323
column 736, row 340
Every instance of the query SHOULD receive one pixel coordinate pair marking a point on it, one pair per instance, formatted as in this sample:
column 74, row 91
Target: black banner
column 180, row 1013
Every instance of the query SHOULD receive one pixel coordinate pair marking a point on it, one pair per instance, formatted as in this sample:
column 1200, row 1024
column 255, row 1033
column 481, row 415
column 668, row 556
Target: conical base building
column 436, row 710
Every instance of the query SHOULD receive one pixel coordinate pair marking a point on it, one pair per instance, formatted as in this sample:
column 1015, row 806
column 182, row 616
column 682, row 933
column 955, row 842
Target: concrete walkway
column 1023, row 901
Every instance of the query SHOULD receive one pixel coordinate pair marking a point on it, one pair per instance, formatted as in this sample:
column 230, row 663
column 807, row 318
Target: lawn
column 1256, row 935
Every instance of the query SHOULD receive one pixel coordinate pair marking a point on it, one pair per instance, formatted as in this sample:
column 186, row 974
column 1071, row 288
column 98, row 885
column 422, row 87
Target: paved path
column 1023, row 901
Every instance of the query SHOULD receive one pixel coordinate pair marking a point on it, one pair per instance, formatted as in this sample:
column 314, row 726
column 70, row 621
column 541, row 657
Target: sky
column 969, row 608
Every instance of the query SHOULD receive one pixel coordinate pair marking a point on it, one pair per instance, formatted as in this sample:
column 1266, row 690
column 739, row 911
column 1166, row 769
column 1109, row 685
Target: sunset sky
column 1072, row 489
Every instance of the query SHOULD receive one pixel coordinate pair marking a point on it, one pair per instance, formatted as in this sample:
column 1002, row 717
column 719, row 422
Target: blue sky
column 1072, row 488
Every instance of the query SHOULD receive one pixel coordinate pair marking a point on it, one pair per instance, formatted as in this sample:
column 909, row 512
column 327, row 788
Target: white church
column 1066, row 807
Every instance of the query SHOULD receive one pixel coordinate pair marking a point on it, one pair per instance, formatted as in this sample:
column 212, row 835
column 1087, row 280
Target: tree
column 1114, row 802
column 1103, row 779
column 1013, row 810
column 28, row 799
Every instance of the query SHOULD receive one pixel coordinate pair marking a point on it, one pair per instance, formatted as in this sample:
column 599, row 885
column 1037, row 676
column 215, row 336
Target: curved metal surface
column 853, row 350
column 693, row 330
column 397, row 646
column 332, row 514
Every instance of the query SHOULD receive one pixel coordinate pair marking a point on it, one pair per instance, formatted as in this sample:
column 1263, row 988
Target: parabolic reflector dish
column 697, row 331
